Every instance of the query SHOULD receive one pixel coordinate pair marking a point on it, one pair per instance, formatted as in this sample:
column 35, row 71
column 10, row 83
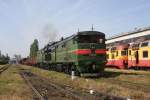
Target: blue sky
column 21, row 21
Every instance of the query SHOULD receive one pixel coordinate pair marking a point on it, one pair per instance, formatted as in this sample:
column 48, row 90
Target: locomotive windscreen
column 90, row 39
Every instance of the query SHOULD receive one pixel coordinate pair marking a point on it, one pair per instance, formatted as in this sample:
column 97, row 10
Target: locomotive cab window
column 90, row 39
column 145, row 54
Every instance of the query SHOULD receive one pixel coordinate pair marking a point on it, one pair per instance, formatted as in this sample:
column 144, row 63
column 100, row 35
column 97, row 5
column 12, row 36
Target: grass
column 1, row 66
column 12, row 86
column 141, row 77
column 101, row 84
column 139, row 72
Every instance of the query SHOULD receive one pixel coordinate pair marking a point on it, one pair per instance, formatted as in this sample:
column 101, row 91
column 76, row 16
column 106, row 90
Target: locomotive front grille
column 93, row 54
column 92, row 46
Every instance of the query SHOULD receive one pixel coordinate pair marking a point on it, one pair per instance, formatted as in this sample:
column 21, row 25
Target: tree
column 0, row 54
column 34, row 48
column 4, row 59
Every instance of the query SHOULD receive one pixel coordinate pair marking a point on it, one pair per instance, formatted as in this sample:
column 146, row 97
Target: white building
column 140, row 34
column 13, row 61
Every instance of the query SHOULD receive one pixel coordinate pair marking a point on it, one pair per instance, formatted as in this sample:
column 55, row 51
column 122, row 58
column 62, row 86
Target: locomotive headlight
column 100, row 40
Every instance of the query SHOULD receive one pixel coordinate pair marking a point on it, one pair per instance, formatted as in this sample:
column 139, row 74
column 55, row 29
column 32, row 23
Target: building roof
column 137, row 30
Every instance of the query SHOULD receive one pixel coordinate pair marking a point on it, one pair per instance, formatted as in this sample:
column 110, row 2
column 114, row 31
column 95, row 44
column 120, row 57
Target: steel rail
column 86, row 92
column 2, row 69
column 31, row 86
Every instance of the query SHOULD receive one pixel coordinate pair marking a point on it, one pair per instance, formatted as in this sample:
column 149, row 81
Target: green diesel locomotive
column 84, row 53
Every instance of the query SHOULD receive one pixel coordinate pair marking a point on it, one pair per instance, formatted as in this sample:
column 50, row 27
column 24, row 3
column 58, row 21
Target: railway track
column 131, row 85
column 2, row 69
column 45, row 89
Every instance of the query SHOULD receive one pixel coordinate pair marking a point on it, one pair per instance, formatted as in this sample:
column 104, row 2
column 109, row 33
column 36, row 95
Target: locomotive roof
column 74, row 35
column 80, row 33
column 90, row 33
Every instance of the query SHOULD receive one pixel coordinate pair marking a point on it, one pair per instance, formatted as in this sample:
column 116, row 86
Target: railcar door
column 137, row 57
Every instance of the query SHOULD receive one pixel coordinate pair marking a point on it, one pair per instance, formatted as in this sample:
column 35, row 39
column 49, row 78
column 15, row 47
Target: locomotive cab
column 91, row 52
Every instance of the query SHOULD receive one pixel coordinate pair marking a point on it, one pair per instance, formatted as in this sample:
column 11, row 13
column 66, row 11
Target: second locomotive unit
column 84, row 53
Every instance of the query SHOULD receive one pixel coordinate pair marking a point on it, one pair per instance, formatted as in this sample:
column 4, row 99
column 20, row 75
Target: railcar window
column 113, row 57
column 90, row 39
column 107, row 56
column 145, row 54
column 113, row 48
column 135, row 46
column 107, row 49
column 116, row 53
column 129, row 52
column 144, row 44
column 123, row 53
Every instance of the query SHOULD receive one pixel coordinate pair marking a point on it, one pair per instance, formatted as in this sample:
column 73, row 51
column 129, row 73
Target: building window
column 145, row 54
